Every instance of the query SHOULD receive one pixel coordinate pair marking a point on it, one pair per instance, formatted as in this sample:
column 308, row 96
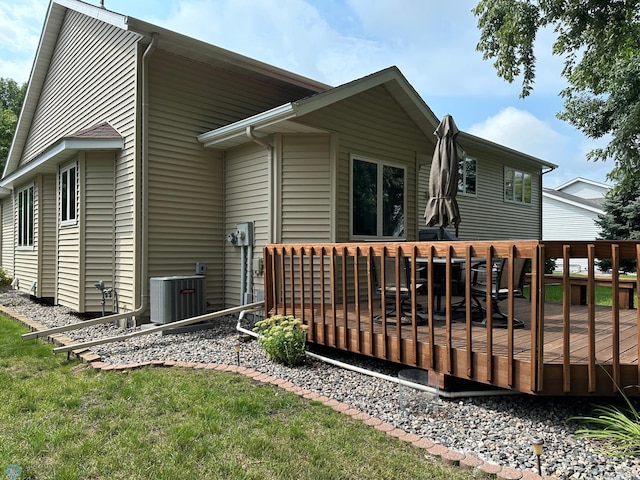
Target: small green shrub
column 283, row 338
column 5, row 278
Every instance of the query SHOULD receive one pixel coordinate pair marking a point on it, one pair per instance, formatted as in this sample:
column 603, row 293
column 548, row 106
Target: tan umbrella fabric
column 442, row 206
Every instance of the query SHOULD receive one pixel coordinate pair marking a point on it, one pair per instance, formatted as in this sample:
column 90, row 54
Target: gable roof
column 279, row 119
column 167, row 40
column 583, row 180
column 568, row 199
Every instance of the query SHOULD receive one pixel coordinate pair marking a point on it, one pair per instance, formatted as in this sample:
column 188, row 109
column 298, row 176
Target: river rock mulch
column 497, row 429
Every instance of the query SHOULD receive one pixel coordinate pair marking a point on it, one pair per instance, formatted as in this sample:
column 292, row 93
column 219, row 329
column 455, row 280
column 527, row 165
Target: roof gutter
column 488, row 144
column 270, row 117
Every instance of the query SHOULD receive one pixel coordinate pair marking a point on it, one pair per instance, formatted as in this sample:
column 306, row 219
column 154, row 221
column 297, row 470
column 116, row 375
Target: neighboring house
column 569, row 212
column 139, row 150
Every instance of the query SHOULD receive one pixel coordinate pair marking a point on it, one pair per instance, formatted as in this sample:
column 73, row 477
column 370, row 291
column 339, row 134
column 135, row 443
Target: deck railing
column 336, row 290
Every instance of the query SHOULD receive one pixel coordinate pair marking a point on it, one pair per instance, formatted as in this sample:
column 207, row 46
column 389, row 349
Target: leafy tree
column 600, row 43
column 11, row 98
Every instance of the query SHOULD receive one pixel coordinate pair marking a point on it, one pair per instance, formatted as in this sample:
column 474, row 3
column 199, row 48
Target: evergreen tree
column 621, row 218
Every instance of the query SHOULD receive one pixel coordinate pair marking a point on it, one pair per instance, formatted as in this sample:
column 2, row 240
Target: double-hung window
column 378, row 196
column 25, row 217
column 517, row 186
column 68, row 194
column 467, row 176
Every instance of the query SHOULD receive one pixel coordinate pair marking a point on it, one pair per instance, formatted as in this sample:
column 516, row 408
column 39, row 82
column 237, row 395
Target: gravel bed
column 496, row 428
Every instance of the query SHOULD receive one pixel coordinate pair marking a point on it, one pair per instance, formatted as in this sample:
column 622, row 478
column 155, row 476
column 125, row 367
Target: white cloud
column 337, row 41
column 433, row 43
column 522, row 131
column 291, row 35
column 19, row 31
column 20, row 27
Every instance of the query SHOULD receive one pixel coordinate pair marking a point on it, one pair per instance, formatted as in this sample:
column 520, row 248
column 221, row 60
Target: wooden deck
column 564, row 349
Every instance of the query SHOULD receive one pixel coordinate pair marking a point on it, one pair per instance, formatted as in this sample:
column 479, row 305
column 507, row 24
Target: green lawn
column 61, row 419
column 553, row 294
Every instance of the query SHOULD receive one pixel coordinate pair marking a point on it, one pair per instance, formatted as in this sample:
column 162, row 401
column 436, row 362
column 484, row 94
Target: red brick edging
column 431, row 449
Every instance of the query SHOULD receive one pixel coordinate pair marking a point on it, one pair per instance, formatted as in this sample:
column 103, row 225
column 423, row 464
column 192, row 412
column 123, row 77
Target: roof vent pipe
column 102, row 4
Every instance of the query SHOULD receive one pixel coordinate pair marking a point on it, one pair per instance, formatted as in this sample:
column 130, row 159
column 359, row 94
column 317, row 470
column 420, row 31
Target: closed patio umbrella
column 442, row 206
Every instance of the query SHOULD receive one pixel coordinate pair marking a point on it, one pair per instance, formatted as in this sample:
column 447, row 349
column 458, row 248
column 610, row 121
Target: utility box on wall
column 176, row 298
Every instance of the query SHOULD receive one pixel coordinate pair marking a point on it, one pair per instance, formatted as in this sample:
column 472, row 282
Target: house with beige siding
column 140, row 152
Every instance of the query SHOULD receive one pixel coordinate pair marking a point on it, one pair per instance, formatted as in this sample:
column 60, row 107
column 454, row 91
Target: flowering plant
column 283, row 338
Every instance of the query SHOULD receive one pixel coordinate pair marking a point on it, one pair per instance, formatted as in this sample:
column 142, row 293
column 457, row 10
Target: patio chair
column 499, row 291
column 390, row 290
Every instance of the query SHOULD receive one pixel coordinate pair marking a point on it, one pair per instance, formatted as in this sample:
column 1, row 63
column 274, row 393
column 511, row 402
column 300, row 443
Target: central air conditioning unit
column 176, row 298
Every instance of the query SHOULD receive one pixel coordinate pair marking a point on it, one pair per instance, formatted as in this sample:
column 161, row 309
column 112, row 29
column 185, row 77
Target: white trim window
column 467, row 176
column 377, row 199
column 25, row 217
column 517, row 186
column 68, row 194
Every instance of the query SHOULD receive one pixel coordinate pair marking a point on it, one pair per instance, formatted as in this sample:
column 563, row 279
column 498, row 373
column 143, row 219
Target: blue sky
column 335, row 41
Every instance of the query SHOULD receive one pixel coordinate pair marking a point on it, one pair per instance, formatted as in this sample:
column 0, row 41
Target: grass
column 553, row 294
column 616, row 429
column 61, row 419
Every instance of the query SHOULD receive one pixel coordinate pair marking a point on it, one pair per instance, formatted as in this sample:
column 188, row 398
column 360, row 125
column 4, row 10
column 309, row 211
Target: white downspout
column 144, row 193
column 272, row 190
column 249, row 273
column 382, row 376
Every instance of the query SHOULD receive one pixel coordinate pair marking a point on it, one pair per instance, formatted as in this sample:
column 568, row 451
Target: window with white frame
column 517, row 186
column 25, row 217
column 68, row 194
column 467, row 175
column 378, row 196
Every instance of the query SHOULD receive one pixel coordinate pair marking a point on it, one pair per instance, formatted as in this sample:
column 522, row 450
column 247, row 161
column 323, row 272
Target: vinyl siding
column 568, row 222
column 374, row 126
column 68, row 267
column 124, row 244
column 48, row 226
column 8, row 237
column 424, row 165
column 98, row 213
column 91, row 79
column 185, row 180
column 306, row 189
column 486, row 215
column 246, row 200
column 187, row 221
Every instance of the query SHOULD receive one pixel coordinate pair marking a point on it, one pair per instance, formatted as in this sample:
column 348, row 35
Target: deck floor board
column 331, row 332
